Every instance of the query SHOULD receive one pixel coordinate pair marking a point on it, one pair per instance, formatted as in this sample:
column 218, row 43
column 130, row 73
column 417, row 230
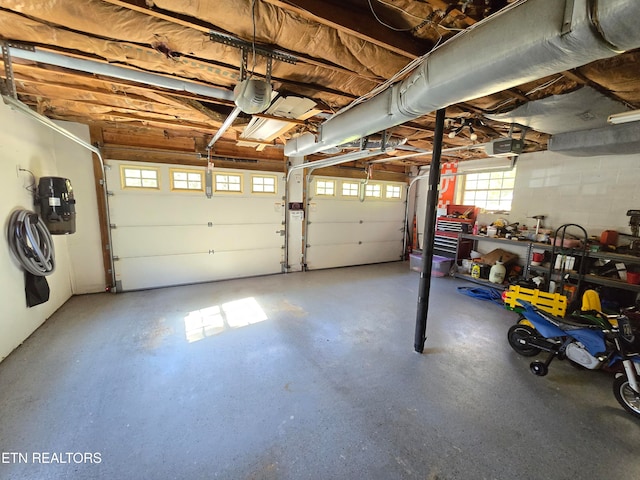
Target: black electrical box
column 57, row 205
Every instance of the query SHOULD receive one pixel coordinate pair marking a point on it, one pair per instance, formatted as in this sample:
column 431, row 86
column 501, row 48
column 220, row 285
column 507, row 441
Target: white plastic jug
column 497, row 273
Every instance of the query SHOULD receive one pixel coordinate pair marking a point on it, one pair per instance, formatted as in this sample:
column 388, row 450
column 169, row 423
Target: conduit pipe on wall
column 21, row 107
column 532, row 40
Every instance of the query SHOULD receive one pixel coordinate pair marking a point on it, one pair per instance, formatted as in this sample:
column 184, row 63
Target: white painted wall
column 594, row 192
column 28, row 144
column 85, row 246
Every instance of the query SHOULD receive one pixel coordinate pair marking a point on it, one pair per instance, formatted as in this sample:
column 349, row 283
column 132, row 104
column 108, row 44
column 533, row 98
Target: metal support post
column 429, row 235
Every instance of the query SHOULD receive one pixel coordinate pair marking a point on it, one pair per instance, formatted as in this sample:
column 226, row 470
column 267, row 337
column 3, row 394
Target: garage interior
column 252, row 182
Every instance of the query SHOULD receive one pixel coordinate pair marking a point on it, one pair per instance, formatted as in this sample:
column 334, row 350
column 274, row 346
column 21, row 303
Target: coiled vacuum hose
column 31, row 243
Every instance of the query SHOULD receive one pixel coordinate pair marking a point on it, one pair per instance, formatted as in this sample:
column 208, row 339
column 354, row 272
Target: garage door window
column 350, row 189
column 325, row 187
column 373, row 190
column 393, row 192
column 263, row 184
column 228, row 183
column 139, row 177
column 186, row 180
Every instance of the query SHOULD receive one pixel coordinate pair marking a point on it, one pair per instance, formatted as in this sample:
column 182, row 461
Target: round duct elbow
column 252, row 95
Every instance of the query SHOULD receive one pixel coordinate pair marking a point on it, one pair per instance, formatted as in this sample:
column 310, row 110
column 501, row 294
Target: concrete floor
column 326, row 387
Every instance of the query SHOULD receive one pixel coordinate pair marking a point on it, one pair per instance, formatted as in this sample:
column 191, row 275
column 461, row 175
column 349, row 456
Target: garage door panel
column 144, row 210
column 152, row 272
column 331, row 256
column 189, row 239
column 327, row 233
column 246, row 237
column 160, row 240
column 158, row 209
column 337, row 211
column 167, row 237
column 246, row 210
column 344, row 231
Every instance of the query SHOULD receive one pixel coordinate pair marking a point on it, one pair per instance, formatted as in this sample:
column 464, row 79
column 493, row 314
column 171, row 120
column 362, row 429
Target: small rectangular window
column 263, row 184
column 191, row 180
column 350, row 189
column 373, row 190
column 139, row 177
column 228, row 183
column 325, row 187
column 393, row 191
column 490, row 191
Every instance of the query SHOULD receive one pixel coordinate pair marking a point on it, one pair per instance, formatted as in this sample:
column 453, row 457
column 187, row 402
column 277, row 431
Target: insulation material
column 12, row 27
column 580, row 110
column 618, row 74
column 274, row 25
column 426, row 20
column 178, row 49
column 81, row 96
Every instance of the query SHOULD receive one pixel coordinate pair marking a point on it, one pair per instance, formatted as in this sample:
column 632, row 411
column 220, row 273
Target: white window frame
column 262, row 178
column 392, row 192
column 373, row 190
column 350, row 191
column 141, row 177
column 322, row 190
column 490, row 191
column 190, row 180
column 219, row 181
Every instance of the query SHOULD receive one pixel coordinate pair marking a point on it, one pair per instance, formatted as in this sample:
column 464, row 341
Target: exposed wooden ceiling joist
column 344, row 50
column 349, row 21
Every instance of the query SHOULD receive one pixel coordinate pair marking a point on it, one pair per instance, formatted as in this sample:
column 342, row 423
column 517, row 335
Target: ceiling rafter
column 348, row 21
column 199, row 26
column 580, row 79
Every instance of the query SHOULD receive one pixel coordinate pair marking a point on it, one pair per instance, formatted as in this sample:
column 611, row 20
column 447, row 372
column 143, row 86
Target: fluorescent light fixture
column 624, row 117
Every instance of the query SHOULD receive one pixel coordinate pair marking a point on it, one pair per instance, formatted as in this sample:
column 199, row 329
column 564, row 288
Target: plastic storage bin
column 440, row 266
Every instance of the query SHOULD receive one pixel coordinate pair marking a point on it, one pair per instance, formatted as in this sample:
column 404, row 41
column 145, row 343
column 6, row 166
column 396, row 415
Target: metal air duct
column 529, row 41
column 612, row 140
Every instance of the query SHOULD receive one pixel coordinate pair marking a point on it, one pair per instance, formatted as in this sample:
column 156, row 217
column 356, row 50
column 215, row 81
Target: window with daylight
column 263, row 184
column 228, row 183
column 393, row 191
column 373, row 190
column 492, row 191
column 139, row 177
column 325, row 187
column 190, row 180
column 350, row 189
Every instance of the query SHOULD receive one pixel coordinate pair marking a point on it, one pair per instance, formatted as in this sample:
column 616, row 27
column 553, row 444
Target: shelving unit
column 589, row 277
column 505, row 244
column 529, row 247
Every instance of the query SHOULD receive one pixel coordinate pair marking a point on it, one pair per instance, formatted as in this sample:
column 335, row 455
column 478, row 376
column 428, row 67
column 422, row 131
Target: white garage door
column 343, row 230
column 167, row 232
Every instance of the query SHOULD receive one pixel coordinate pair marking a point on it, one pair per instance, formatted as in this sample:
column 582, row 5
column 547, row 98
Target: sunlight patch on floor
column 213, row 320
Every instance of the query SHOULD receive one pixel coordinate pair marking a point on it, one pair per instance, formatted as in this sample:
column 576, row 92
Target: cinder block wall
column 594, row 192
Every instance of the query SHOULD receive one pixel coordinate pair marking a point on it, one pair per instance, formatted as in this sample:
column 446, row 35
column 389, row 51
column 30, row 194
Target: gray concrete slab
column 326, row 386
